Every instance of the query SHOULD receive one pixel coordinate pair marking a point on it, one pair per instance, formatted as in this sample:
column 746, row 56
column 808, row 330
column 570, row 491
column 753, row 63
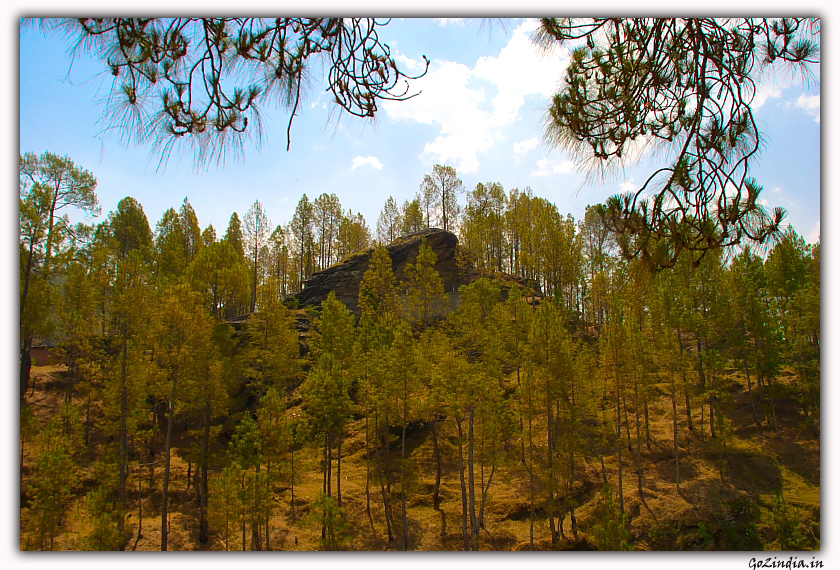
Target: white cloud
column 446, row 21
column 371, row 160
column 454, row 98
column 525, row 147
column 547, row 166
column 793, row 204
column 408, row 64
column 763, row 93
column 776, row 189
column 814, row 236
column 810, row 104
column 628, row 185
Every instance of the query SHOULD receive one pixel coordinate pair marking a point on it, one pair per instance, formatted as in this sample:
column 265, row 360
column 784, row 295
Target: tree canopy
column 685, row 86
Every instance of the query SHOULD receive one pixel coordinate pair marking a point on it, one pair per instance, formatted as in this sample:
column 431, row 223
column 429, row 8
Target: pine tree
column 181, row 335
column 425, row 297
column 377, row 292
column 224, row 505
column 411, row 217
column 611, row 531
column 52, row 484
column 256, row 231
column 443, row 186
column 389, row 224
column 49, row 185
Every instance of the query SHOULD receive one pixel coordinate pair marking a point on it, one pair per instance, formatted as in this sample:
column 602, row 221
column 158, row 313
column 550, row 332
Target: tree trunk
column 627, row 423
column 87, row 421
column 244, row 536
column 293, row 483
column 676, row 425
column 752, row 402
column 164, row 527
column 471, row 451
column 327, row 480
column 712, row 416
column 25, row 365
column 367, row 475
column 383, row 477
column 402, row 468
column 438, row 466
column 551, row 484
column 22, row 443
column 256, row 539
column 618, row 441
column 463, row 484
column 203, row 530
column 702, row 375
column 484, row 496
column 687, row 390
column 123, row 418
column 139, row 503
column 268, row 509
column 638, row 441
column 531, row 471
column 338, row 477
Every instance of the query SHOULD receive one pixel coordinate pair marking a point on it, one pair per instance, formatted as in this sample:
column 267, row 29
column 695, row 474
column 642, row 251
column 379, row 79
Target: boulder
column 345, row 278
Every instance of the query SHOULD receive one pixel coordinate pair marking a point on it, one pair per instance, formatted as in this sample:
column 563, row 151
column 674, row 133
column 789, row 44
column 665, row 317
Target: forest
column 175, row 395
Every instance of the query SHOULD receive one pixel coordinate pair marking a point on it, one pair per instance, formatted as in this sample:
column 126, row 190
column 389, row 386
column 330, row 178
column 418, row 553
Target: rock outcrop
column 345, row 278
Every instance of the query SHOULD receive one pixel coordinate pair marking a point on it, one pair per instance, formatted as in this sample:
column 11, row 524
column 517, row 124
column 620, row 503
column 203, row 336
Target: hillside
column 732, row 511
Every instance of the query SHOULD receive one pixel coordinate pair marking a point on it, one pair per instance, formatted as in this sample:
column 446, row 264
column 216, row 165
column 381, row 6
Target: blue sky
column 480, row 109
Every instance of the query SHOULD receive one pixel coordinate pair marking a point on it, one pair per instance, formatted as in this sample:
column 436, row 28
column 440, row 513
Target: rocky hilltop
column 345, row 278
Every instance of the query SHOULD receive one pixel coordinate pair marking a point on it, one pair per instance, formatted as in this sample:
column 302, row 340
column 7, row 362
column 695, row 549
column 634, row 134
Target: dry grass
column 696, row 517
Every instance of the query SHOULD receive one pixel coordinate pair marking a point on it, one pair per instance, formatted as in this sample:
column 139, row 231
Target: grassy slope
column 710, row 512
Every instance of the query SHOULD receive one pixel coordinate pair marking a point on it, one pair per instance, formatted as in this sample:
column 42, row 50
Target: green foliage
column 225, row 506
column 329, row 515
column 102, row 509
column 271, row 355
column 334, row 331
column 233, row 235
column 482, row 233
column 513, row 386
column 684, row 83
column 246, row 444
column 171, row 244
column 130, row 228
column 302, row 229
column 103, row 517
column 53, row 482
column 789, row 524
column 441, row 189
column 49, row 185
column 411, row 217
column 425, row 299
column 257, row 226
column 611, row 532
column 327, row 397
column 389, row 224
column 377, row 292
column 220, row 275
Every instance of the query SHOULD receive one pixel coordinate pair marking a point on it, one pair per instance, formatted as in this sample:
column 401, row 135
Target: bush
column 612, row 531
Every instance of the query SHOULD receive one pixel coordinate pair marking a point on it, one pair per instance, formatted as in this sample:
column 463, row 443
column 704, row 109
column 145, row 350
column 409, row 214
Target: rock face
column 346, row 277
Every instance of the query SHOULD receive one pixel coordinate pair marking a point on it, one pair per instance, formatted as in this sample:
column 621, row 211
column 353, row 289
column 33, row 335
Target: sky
column 480, row 108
